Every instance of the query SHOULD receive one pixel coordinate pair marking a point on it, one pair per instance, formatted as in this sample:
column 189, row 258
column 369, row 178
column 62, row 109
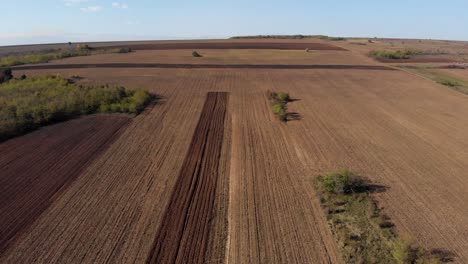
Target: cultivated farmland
column 210, row 175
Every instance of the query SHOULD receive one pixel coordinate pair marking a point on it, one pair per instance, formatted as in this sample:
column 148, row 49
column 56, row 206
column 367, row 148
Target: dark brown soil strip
column 36, row 168
column 184, row 231
column 418, row 60
column 232, row 45
column 202, row 66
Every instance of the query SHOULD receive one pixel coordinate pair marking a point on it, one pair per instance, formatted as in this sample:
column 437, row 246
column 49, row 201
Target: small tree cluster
column 342, row 182
column 279, row 103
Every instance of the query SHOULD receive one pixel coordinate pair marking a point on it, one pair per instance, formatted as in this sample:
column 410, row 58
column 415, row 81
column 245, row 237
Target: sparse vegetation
column 363, row 234
column 330, row 38
column 279, row 103
column 272, row 37
column 196, row 54
column 441, row 78
column 395, row 55
column 298, row 36
column 43, row 57
column 28, row 104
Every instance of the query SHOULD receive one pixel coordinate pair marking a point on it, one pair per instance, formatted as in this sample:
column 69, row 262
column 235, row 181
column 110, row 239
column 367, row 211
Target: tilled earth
column 396, row 129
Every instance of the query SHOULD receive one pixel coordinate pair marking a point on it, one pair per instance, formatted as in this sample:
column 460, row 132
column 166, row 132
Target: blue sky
column 45, row 21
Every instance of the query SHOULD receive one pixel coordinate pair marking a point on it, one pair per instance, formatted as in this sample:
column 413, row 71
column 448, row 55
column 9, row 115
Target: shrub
column 5, row 75
column 282, row 97
column 196, row 54
column 30, row 103
column 342, row 182
column 280, row 111
column 401, row 251
column 279, row 103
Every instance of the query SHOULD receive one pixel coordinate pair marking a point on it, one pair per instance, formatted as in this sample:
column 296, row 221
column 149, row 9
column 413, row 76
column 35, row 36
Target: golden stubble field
column 397, row 129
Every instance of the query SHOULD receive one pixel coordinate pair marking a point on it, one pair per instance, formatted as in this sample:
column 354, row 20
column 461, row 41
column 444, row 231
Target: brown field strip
column 184, row 231
column 202, row 66
column 231, row 45
column 36, row 168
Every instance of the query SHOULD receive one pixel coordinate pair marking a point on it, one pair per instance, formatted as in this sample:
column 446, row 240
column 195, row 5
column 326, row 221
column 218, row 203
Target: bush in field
column 280, row 111
column 5, row 75
column 401, row 251
column 279, row 103
column 196, row 54
column 28, row 104
column 340, row 182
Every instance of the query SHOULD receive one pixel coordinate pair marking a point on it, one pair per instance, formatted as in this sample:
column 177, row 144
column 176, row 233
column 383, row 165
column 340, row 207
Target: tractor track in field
column 183, row 234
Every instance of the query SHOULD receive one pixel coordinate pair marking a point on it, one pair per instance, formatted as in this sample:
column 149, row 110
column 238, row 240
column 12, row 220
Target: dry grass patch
column 442, row 78
column 362, row 232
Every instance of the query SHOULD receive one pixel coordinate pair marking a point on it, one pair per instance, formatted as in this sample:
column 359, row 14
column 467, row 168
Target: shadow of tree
column 293, row 116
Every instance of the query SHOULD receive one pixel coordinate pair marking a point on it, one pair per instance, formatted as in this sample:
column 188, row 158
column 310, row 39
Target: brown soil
column 37, row 168
column 397, row 129
column 184, row 231
column 232, row 45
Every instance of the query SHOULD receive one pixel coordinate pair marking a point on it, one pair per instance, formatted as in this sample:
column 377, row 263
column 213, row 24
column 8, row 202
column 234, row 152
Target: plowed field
column 398, row 130
column 184, row 231
column 36, row 168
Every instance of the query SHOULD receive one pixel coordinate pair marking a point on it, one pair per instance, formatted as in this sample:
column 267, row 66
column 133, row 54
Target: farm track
column 203, row 66
column 184, row 231
column 37, row 168
column 232, row 45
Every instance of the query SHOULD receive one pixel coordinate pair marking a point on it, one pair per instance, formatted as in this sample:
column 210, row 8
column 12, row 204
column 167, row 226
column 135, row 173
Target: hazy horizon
column 61, row 21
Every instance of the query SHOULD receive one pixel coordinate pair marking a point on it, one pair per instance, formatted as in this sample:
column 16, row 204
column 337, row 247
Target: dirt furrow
column 184, row 231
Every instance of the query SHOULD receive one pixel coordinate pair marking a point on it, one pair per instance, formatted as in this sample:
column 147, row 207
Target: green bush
column 279, row 103
column 280, row 111
column 30, row 103
column 340, row 182
column 196, row 54
column 395, row 55
column 401, row 251
column 282, row 97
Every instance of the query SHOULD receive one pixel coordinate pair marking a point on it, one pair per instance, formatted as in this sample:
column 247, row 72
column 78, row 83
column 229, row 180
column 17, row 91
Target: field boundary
column 204, row 66
column 184, row 231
